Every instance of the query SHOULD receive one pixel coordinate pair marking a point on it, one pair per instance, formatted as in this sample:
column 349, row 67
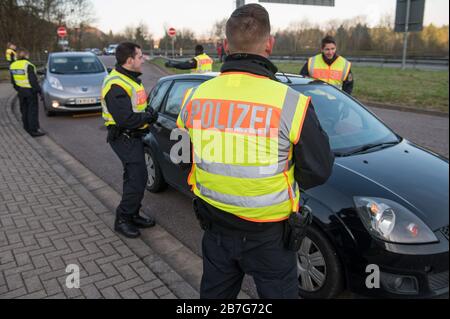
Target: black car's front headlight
column 391, row 222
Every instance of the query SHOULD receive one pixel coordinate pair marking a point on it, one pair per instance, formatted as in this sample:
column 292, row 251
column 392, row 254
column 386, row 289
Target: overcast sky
column 200, row 15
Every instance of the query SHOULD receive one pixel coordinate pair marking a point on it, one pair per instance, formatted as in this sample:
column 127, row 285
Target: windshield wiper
column 368, row 147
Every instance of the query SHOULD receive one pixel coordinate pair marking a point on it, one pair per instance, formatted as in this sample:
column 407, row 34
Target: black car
column 380, row 222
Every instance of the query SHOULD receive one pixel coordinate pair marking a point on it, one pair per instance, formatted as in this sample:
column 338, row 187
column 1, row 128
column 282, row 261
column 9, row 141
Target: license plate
column 86, row 101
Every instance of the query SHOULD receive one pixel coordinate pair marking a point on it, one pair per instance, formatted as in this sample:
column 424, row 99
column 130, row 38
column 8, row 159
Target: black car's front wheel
column 320, row 273
column 156, row 182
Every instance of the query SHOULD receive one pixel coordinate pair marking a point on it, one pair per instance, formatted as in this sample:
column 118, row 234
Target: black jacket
column 348, row 84
column 120, row 106
column 34, row 82
column 313, row 157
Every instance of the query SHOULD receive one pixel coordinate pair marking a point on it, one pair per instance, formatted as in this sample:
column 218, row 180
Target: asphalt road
column 85, row 139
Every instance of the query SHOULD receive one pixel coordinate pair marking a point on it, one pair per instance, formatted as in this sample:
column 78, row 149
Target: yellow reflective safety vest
column 10, row 55
column 334, row 74
column 243, row 128
column 135, row 91
column 204, row 64
column 19, row 72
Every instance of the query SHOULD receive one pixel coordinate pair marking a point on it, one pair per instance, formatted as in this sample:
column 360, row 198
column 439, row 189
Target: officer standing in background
column 125, row 112
column 11, row 55
column 202, row 63
column 245, row 207
column 25, row 82
column 330, row 67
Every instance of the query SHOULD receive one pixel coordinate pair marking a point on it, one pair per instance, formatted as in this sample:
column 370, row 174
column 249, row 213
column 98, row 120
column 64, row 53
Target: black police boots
column 143, row 222
column 129, row 226
column 125, row 227
column 37, row 133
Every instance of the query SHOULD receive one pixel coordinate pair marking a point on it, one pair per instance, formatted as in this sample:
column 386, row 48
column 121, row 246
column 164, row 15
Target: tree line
column 33, row 24
column 355, row 37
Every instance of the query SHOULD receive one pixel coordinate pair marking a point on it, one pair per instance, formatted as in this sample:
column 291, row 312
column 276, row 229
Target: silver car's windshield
column 75, row 65
column 349, row 126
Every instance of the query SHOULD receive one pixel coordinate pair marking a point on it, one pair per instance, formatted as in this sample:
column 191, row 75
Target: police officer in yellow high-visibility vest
column 330, row 67
column 255, row 143
column 202, row 63
column 25, row 82
column 124, row 102
column 11, row 54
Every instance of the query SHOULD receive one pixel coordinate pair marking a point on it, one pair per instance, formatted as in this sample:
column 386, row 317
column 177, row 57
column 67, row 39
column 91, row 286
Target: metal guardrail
column 443, row 62
column 435, row 61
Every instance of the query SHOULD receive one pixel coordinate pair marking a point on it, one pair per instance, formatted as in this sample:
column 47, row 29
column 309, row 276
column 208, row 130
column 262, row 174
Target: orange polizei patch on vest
column 233, row 117
column 142, row 97
column 327, row 74
column 204, row 61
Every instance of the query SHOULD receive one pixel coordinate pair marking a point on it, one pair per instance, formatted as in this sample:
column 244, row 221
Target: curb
column 88, row 186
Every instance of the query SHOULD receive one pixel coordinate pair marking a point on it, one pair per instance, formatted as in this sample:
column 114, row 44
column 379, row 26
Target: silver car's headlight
column 391, row 222
column 55, row 83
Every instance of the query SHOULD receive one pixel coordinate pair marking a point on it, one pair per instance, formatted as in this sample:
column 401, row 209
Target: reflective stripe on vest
column 10, row 55
column 19, row 71
column 204, row 64
column 243, row 141
column 334, row 74
column 135, row 91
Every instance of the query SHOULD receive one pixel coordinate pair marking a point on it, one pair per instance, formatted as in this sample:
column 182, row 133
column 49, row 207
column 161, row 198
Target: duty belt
column 130, row 133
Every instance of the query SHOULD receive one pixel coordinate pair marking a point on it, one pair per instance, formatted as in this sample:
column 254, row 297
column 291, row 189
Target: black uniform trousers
column 131, row 153
column 29, row 108
column 229, row 255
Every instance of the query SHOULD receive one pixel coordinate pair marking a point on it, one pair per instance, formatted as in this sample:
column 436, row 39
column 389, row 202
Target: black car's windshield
column 76, row 65
column 351, row 128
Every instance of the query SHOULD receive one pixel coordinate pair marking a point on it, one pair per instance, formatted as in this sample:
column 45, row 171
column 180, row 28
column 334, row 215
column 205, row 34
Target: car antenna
column 287, row 78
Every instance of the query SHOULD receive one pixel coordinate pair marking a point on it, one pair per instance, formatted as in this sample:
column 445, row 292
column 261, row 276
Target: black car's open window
column 349, row 125
column 176, row 96
column 158, row 94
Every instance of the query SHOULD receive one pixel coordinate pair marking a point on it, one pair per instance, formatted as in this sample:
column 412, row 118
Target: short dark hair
column 125, row 51
column 22, row 53
column 199, row 49
column 328, row 40
column 248, row 27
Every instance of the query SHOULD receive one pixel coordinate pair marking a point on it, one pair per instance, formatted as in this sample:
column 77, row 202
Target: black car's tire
column 156, row 182
column 333, row 283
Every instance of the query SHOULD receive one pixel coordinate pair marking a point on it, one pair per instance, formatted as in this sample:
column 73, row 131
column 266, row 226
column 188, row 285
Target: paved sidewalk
column 47, row 224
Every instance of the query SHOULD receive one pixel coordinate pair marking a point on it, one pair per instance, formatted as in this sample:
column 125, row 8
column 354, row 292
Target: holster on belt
column 205, row 223
column 296, row 227
column 114, row 133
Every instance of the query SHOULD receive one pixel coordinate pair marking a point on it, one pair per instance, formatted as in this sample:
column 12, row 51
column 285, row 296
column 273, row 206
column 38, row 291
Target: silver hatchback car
column 73, row 82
